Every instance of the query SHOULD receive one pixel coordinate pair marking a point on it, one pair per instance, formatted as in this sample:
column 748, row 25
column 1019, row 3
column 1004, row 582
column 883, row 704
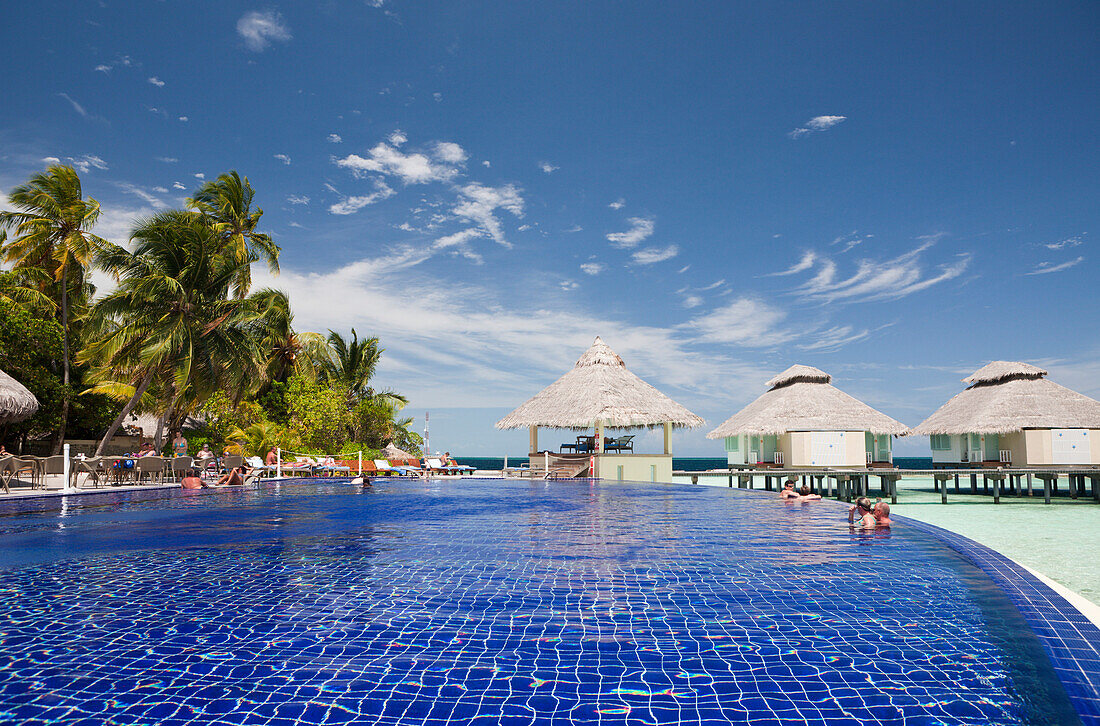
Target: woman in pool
column 862, row 507
column 804, row 494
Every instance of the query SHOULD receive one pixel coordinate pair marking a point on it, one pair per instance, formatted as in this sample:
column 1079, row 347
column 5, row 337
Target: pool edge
column 1069, row 637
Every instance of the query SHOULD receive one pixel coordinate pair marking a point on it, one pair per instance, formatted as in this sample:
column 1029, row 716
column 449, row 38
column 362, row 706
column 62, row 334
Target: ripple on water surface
column 488, row 601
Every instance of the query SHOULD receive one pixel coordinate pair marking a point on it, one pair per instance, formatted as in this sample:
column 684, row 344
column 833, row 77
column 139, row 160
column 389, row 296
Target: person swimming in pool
column 804, row 494
column 788, row 490
column 862, row 509
column 881, row 510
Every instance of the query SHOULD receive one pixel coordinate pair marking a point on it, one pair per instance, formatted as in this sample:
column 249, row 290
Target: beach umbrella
column 16, row 402
column 392, row 452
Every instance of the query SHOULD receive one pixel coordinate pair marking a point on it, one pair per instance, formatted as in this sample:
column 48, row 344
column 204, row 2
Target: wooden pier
column 849, row 484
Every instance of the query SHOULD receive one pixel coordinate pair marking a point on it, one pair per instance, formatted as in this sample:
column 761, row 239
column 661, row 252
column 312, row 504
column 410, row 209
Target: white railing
column 870, row 458
column 778, row 458
column 1006, row 456
column 754, row 457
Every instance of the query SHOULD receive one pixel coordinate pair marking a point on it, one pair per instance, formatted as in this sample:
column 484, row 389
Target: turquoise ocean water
column 678, row 463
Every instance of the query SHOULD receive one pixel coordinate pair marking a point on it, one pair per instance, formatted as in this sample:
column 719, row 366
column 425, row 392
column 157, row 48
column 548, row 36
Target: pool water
column 489, row 601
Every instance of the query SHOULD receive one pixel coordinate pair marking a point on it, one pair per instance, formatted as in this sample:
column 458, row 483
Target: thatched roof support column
column 668, row 437
column 599, row 437
column 534, row 431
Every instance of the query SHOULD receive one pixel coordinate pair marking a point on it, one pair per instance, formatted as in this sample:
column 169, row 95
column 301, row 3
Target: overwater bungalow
column 600, row 395
column 1011, row 414
column 803, row 421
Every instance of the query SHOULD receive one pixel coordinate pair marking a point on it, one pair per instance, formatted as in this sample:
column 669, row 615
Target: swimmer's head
column 805, row 490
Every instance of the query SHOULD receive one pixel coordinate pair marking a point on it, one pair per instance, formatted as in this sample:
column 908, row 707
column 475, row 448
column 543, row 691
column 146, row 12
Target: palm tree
column 227, row 203
column 282, row 346
column 172, row 318
column 52, row 225
column 352, row 363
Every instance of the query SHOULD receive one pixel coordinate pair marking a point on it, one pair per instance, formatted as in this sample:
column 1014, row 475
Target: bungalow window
column 940, row 442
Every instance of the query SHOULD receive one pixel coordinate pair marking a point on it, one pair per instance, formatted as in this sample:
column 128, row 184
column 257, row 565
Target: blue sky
column 893, row 192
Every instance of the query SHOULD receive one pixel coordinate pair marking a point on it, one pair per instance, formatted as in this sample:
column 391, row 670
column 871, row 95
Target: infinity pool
column 482, row 601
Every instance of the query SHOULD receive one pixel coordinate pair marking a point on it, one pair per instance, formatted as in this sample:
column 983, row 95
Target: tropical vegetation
column 182, row 335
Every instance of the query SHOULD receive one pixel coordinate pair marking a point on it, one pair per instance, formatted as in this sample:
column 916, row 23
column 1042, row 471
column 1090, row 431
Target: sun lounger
column 437, row 466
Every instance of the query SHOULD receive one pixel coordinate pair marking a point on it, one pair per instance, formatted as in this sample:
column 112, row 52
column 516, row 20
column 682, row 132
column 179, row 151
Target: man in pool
column 881, row 510
column 862, row 508
column 788, row 490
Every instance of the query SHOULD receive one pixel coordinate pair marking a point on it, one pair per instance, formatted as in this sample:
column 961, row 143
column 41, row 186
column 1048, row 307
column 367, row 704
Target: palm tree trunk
column 59, row 441
column 138, row 393
column 158, row 441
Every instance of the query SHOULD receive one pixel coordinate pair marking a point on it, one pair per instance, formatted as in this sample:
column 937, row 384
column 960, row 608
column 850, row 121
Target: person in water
column 192, row 480
column 788, row 490
column 804, row 494
column 862, row 509
column 881, row 510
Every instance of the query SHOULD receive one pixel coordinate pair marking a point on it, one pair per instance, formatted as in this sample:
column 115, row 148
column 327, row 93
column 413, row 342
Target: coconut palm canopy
column 802, row 398
column 1007, row 396
column 16, row 402
column 599, row 389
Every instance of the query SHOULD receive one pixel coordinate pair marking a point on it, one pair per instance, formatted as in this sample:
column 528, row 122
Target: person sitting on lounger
column 804, row 494
column 881, row 510
column 233, row 476
column 192, row 480
column 272, row 458
column 788, row 489
column 862, row 509
column 147, row 450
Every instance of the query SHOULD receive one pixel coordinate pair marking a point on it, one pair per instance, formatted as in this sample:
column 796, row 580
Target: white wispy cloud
column 147, row 196
column 177, row 185
column 334, row 139
column 184, row 119
column 834, row 338
column 450, row 152
column 804, row 263
column 1064, row 243
column 298, row 199
column 200, row 175
column 351, row 205
column 593, row 268
column 692, row 301
column 478, row 204
column 412, row 168
column 166, row 159
column 618, row 203
column 641, row 228
column 817, row 123
column 86, row 163
column 651, row 255
column 745, row 321
column 103, row 68
column 1045, row 268
column 76, row 106
column 283, row 158
column 156, row 81
column 882, row 279
column 397, row 137
column 547, row 167
column 259, row 28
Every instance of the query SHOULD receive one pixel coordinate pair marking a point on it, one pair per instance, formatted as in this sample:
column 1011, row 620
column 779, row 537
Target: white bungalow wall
column 1032, row 447
column 826, row 448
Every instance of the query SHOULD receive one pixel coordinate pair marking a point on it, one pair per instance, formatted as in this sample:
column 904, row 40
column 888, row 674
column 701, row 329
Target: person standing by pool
column 179, row 444
column 862, row 507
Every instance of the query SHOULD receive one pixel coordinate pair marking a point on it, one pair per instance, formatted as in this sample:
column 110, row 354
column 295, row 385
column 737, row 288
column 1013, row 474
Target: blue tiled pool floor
column 500, row 602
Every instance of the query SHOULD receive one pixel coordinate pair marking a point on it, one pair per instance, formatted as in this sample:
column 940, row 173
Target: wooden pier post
column 1095, row 492
column 1029, row 484
column 1046, row 489
column 973, row 483
column 956, row 482
column 997, row 489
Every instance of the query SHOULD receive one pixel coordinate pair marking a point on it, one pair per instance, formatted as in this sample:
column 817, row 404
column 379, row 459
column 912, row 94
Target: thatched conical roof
column 16, row 402
column 392, row 452
column 1006, row 396
column 599, row 388
column 802, row 398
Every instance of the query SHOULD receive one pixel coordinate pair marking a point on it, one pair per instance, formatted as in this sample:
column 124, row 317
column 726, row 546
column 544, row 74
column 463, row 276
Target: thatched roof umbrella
column 802, row 398
column 599, row 392
column 1007, row 396
column 392, row 452
column 16, row 402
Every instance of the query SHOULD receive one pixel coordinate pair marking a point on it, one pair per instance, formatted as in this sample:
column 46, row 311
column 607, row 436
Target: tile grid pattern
column 1071, row 640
